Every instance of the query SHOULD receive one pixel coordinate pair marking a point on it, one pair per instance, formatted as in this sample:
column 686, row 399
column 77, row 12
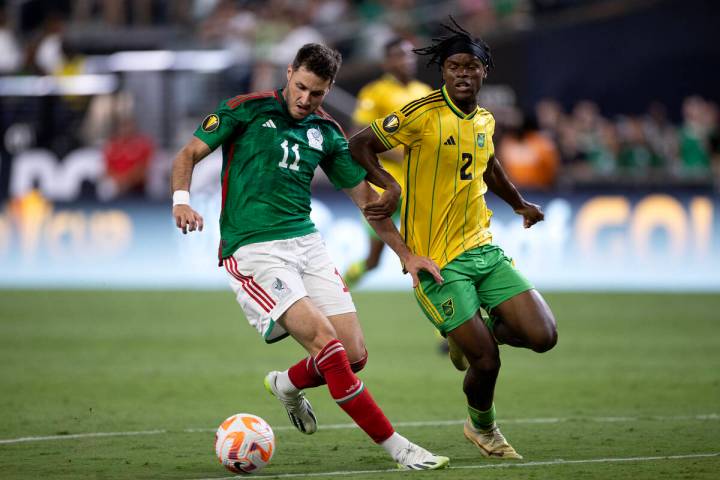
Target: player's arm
column 186, row 218
column 364, row 147
column 498, row 183
column 362, row 194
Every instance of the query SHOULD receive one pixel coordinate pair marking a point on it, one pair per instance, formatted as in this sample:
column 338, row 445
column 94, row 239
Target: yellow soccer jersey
column 380, row 98
column 446, row 153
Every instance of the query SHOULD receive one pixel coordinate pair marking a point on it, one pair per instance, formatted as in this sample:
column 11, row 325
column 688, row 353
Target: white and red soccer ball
column 244, row 443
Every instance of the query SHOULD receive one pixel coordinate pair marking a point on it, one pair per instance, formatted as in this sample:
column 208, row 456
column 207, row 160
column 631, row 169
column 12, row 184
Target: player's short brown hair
column 321, row 60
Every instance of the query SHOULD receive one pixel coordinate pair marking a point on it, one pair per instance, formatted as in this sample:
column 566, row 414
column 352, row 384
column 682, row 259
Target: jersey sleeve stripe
column 380, row 135
column 326, row 116
column 225, row 184
column 240, row 99
column 435, row 94
column 422, row 104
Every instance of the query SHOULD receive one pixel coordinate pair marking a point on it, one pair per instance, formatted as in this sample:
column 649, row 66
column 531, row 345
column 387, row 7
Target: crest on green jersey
column 391, row 123
column 211, row 123
column 480, row 140
column 448, row 307
column 315, row 138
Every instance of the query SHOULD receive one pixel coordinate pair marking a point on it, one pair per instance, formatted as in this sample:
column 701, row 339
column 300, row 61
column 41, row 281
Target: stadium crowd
column 555, row 146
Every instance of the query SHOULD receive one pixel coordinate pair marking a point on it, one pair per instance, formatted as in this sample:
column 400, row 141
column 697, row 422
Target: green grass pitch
column 634, row 379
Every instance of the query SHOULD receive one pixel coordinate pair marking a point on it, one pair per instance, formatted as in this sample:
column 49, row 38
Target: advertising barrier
column 590, row 241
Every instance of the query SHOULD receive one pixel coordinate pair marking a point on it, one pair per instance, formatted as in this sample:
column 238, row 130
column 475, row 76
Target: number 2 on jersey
column 296, row 150
column 467, row 162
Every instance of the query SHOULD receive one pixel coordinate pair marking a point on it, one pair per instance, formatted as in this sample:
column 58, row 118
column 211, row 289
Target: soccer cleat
column 491, row 443
column 456, row 356
column 414, row 457
column 354, row 273
column 298, row 407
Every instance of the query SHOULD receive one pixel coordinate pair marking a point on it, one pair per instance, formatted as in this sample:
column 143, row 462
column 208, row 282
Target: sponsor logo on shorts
column 391, row 123
column 211, row 123
column 448, row 307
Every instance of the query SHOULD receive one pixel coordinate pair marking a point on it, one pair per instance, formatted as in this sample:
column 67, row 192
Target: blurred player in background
column 276, row 261
column 394, row 89
column 449, row 165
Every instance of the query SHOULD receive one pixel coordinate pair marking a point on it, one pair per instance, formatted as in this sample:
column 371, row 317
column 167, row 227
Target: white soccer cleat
column 491, row 443
column 298, row 407
column 414, row 457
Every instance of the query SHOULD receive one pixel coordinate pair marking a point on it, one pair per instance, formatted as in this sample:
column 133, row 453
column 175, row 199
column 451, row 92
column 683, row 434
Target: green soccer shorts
column 483, row 277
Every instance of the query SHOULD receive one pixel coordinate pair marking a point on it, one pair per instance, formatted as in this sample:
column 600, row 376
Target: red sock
column 350, row 393
column 305, row 374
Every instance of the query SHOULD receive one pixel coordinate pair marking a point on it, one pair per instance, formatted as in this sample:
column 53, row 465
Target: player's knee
column 544, row 339
column 486, row 366
column 359, row 364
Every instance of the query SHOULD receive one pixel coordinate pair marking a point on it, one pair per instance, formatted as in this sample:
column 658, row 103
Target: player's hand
column 414, row 263
column 383, row 207
column 187, row 219
column 531, row 214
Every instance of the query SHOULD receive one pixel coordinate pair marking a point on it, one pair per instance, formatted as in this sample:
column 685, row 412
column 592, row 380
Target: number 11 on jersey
column 296, row 150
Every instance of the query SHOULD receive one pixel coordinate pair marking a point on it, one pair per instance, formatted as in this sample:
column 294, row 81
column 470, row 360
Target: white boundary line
column 492, row 465
column 343, row 426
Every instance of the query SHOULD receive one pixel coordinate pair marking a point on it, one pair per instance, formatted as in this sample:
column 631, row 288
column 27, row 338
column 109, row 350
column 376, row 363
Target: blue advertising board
column 590, row 241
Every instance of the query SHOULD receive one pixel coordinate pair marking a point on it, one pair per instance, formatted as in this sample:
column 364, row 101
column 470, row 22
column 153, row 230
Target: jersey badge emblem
column 391, row 123
column 448, row 308
column 481, row 140
column 280, row 289
column 315, row 138
column 211, row 123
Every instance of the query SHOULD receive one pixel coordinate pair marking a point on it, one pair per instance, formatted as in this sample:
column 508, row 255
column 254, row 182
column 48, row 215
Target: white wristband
column 181, row 197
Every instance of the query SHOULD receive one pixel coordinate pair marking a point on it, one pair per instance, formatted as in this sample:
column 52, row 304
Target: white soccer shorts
column 269, row 277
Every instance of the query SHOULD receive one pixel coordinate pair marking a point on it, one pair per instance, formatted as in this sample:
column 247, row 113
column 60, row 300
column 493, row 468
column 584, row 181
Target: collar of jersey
column 281, row 98
column 455, row 109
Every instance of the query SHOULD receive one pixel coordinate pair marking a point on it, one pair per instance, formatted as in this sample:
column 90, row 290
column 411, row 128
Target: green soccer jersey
column 269, row 160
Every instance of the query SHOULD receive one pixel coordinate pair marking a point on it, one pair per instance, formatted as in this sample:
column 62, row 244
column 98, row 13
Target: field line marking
column 486, row 466
column 81, row 435
column 343, row 426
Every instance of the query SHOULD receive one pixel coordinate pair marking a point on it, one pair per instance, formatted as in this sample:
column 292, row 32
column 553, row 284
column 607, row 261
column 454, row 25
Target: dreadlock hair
column 458, row 41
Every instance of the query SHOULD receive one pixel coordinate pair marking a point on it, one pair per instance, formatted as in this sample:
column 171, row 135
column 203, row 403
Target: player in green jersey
column 277, row 263
column 449, row 165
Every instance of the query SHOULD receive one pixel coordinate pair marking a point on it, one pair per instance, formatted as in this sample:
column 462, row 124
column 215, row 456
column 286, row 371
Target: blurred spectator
column 486, row 16
column 127, row 157
column 637, row 158
column 699, row 126
column 119, row 13
column 661, row 134
column 591, row 139
column 550, row 116
column 44, row 55
column 529, row 157
column 233, row 29
column 273, row 26
column 301, row 32
column 10, row 56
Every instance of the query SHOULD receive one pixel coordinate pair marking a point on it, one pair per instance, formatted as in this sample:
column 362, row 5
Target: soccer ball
column 244, row 443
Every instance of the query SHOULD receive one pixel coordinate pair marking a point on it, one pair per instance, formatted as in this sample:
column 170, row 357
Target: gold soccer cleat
column 491, row 443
